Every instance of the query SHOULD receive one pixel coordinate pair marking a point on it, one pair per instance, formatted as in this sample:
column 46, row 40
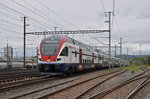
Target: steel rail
column 103, row 93
column 62, row 84
column 79, row 96
column 141, row 85
column 79, row 83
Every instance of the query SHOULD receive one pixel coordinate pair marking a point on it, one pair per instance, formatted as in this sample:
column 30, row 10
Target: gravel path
column 143, row 93
column 123, row 92
column 106, row 85
column 147, row 91
column 31, row 88
column 78, row 89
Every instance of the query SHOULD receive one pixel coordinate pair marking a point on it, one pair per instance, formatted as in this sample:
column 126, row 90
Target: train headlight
column 40, row 59
column 58, row 59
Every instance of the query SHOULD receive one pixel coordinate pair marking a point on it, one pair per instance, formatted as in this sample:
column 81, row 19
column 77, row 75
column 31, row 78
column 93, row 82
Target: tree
column 148, row 60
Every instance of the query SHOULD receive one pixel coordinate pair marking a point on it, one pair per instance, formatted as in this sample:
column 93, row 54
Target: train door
column 102, row 61
column 80, row 59
column 99, row 60
column 93, row 66
column 70, row 54
column 64, row 53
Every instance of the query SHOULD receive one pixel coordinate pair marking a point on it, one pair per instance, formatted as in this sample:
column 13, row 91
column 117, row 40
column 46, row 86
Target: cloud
column 132, row 20
column 144, row 15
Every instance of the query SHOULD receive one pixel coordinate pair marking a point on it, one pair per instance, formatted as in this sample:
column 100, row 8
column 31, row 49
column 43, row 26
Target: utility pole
column 140, row 50
column 37, row 53
column 133, row 58
column 24, row 43
column 109, row 14
column 115, row 50
column 7, row 57
column 120, row 47
column 140, row 54
column 127, row 52
column 55, row 28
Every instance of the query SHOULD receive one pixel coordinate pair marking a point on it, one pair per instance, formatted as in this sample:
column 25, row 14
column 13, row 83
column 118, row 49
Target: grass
column 148, row 66
column 134, row 68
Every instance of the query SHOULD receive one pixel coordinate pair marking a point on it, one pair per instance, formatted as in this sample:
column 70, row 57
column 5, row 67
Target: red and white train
column 64, row 55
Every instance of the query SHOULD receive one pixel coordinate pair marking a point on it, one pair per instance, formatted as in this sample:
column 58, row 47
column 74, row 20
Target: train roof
column 69, row 40
column 75, row 42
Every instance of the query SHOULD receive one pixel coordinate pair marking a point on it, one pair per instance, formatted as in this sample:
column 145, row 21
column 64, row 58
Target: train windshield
column 49, row 48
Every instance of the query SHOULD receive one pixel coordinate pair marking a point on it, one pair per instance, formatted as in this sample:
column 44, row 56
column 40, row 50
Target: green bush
column 148, row 60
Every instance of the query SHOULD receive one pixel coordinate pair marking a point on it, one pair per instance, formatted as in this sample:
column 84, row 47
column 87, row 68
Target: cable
column 8, row 26
column 37, row 26
column 102, row 3
column 117, row 26
column 113, row 6
column 10, row 30
column 33, row 12
column 11, row 9
column 8, row 15
column 40, row 22
column 6, row 21
column 39, row 11
column 113, row 13
column 56, row 14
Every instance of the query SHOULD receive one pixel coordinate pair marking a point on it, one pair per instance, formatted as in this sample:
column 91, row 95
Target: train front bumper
column 52, row 67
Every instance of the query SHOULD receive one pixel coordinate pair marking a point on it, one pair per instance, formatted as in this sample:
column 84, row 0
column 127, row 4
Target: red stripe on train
column 52, row 58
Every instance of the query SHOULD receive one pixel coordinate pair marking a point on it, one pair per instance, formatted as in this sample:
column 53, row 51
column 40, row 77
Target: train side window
column 64, row 52
column 100, row 58
column 75, row 53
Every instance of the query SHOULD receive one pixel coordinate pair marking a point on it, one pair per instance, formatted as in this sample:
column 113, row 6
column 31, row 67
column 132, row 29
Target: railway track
column 65, row 88
column 17, row 76
column 13, row 72
column 28, row 80
column 68, row 86
column 60, row 86
column 93, row 87
column 140, row 78
column 37, row 84
column 144, row 69
column 139, row 87
column 58, row 94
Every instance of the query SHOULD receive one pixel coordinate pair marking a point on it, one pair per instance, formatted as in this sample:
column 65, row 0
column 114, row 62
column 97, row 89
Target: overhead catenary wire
column 113, row 6
column 113, row 9
column 10, row 26
column 8, row 29
column 12, row 9
column 10, row 16
column 36, row 13
column 103, row 7
column 56, row 14
column 40, row 12
column 12, row 23
column 37, row 26
column 41, row 22
column 41, row 25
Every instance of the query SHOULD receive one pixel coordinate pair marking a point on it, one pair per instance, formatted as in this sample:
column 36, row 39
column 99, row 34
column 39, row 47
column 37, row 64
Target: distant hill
column 130, row 57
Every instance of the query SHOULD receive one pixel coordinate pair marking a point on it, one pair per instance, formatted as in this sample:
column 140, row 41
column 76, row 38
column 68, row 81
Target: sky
column 131, row 22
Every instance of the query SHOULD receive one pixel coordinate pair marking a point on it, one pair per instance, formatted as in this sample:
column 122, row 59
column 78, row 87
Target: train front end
column 49, row 61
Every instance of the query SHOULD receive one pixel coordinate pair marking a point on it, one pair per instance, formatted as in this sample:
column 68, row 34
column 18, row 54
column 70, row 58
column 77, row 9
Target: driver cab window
column 64, row 52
